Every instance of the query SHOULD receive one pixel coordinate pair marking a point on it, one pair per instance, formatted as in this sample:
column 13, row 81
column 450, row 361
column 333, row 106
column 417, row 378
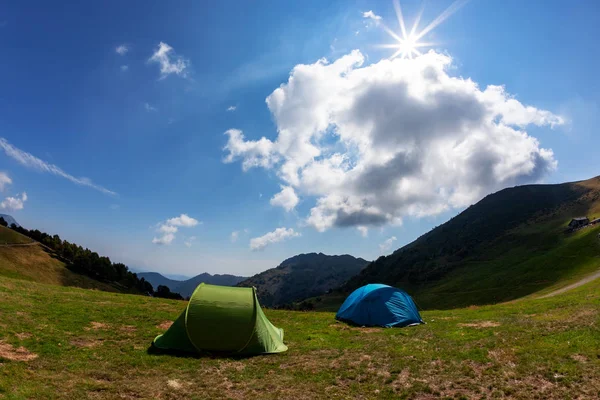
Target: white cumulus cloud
column 278, row 235
column 165, row 239
column 170, row 227
column 183, row 220
column 30, row 161
column 372, row 144
column 4, row 180
column 122, row 49
column 14, row 203
column 287, row 198
column 371, row 15
column 231, row 108
column 169, row 62
column 149, row 107
column 387, row 244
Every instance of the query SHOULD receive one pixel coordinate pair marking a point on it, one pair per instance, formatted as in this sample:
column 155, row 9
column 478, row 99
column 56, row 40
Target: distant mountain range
column 9, row 219
column 303, row 276
column 187, row 287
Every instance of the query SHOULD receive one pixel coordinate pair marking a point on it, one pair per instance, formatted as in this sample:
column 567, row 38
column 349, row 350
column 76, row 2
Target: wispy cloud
column 364, row 231
column 14, row 203
column 234, row 236
column 231, row 108
column 124, row 68
column 122, row 49
column 278, row 235
column 169, row 62
column 4, row 180
column 30, row 161
column 188, row 242
column 170, row 227
column 149, row 108
column 387, row 244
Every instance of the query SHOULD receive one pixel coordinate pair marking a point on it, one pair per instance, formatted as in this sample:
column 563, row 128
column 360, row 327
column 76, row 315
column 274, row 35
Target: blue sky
column 157, row 139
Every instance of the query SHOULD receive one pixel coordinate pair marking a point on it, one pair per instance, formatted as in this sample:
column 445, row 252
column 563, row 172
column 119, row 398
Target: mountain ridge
column 187, row 287
column 302, row 276
column 9, row 220
column 509, row 244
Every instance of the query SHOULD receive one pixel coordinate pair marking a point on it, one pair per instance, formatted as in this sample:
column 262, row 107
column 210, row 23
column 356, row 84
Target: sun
column 407, row 44
column 408, row 48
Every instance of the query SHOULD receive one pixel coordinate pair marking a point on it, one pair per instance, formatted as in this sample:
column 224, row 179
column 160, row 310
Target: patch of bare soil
column 174, row 384
column 344, row 327
column 482, row 324
column 9, row 352
column 97, row 326
column 402, row 380
column 86, row 343
column 164, row 325
column 580, row 358
column 127, row 328
column 23, row 336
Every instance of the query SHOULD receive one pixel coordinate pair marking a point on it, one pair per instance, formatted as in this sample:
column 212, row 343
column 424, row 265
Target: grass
column 22, row 258
column 92, row 344
column 35, row 263
column 539, row 263
column 8, row 236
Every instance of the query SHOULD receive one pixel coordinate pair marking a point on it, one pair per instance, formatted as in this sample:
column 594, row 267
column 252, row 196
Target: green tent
column 223, row 318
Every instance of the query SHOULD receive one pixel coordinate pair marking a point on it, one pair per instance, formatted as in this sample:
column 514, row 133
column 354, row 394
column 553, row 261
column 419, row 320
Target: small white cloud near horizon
column 14, row 203
column 122, row 49
column 231, row 108
column 371, row 15
column 278, row 235
column 385, row 246
column 234, row 236
column 4, row 181
column 170, row 227
column 188, row 242
column 169, row 62
column 149, row 107
column 30, row 161
column 286, row 199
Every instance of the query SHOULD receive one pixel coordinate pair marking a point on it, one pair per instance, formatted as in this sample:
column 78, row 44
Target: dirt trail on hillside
column 585, row 280
column 17, row 244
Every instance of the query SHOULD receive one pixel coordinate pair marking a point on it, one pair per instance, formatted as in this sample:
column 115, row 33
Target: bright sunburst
column 408, row 43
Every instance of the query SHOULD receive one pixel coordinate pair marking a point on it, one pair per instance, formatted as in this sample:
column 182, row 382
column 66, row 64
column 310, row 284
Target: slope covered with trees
column 86, row 262
column 510, row 244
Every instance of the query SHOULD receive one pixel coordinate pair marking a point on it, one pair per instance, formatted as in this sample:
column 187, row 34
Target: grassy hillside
column 303, row 276
column 8, row 236
column 22, row 258
column 66, row 343
column 509, row 245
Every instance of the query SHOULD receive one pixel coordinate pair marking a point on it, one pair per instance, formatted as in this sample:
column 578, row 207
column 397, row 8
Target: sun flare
column 408, row 43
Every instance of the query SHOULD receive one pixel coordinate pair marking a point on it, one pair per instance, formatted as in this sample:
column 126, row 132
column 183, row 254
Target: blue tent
column 379, row 305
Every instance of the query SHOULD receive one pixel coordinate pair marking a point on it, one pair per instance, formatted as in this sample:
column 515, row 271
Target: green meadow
column 63, row 342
